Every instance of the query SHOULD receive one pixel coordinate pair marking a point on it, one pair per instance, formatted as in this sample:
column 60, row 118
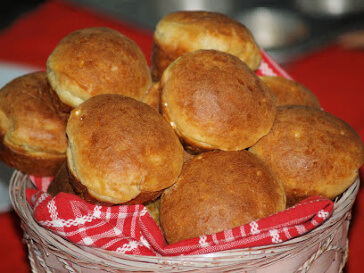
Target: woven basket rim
column 85, row 255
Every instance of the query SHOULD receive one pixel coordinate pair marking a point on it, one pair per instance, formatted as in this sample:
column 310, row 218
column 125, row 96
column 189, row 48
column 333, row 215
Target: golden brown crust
column 32, row 131
column 217, row 191
column 94, row 61
column 186, row 31
column 290, row 92
column 31, row 163
column 214, row 101
column 120, row 148
column 312, row 152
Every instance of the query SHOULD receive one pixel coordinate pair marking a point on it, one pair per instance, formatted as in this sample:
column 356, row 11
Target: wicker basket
column 324, row 249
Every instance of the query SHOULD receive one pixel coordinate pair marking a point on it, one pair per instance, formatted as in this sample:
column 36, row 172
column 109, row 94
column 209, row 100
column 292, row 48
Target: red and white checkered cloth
column 131, row 229
column 268, row 67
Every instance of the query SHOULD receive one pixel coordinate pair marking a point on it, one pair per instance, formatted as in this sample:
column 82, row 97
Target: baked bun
column 217, row 191
column 312, row 152
column 121, row 150
column 94, row 61
column 32, row 133
column 290, row 92
column 186, row 31
column 214, row 101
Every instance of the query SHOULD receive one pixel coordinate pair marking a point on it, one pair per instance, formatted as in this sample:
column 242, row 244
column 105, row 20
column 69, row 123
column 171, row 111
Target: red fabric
column 132, row 230
column 32, row 38
column 13, row 253
column 332, row 73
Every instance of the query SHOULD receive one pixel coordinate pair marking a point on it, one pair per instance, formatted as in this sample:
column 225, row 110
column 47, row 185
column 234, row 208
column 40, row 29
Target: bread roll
column 121, row 151
column 95, row 61
column 312, row 152
column 214, row 101
column 32, row 131
column 186, row 31
column 217, row 191
column 290, row 92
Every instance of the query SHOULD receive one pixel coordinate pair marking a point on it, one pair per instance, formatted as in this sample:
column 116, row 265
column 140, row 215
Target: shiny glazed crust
column 32, row 131
column 96, row 61
column 214, row 101
column 312, row 152
column 290, row 92
column 217, row 191
column 186, row 31
column 120, row 148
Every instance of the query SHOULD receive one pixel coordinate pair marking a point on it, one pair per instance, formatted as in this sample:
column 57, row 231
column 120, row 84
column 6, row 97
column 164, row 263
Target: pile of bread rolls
column 198, row 137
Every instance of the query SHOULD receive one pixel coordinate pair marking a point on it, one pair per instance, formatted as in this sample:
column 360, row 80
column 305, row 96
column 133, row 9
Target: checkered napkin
column 130, row 229
column 268, row 67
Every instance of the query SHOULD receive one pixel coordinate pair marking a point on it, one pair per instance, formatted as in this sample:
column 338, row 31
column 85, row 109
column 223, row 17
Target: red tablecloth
column 332, row 73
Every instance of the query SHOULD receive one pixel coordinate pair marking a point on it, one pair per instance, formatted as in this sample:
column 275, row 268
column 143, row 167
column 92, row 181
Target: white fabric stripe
column 286, row 232
column 266, row 70
column 228, row 235
column 301, row 229
column 67, row 223
column 214, row 238
column 242, row 231
column 254, row 228
column 128, row 247
column 133, row 222
column 40, row 200
column 52, row 208
column 203, row 241
column 275, row 236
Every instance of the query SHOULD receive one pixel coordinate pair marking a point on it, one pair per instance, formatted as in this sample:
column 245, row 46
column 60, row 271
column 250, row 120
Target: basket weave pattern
column 324, row 249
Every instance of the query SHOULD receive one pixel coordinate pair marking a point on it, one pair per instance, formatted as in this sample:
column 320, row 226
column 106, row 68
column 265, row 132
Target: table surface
column 333, row 73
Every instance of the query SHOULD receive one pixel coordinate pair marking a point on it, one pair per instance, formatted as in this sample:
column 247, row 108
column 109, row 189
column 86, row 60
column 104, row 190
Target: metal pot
column 161, row 8
column 330, row 8
column 273, row 27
